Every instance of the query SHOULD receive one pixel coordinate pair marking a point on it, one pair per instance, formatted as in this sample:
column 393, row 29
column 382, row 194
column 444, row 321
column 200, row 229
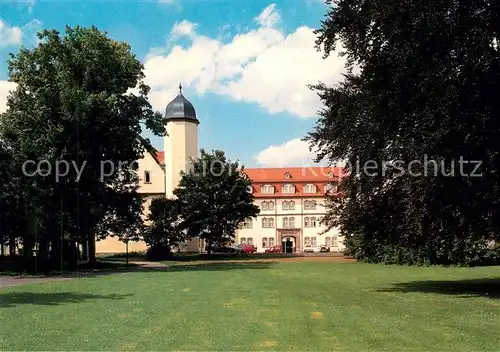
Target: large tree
column 72, row 105
column 214, row 198
column 426, row 87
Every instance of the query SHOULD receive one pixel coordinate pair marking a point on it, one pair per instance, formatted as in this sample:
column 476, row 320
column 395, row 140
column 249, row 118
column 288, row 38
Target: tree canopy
column 420, row 101
column 214, row 198
column 72, row 117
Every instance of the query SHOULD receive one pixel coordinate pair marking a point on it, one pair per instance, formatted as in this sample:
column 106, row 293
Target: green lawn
column 300, row 306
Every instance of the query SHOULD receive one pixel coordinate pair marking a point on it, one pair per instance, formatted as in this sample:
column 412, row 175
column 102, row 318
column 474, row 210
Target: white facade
column 302, row 226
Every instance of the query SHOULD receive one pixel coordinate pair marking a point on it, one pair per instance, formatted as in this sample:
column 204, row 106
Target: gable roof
column 296, row 174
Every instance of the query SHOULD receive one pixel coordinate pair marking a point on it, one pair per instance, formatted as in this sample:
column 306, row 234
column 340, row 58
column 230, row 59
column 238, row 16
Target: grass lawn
column 299, row 305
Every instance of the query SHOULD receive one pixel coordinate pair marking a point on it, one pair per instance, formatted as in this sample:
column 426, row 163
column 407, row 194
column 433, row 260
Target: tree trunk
column 209, row 246
column 91, row 247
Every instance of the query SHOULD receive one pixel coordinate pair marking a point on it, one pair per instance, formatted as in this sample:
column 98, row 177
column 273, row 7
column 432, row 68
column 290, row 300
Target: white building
column 290, row 199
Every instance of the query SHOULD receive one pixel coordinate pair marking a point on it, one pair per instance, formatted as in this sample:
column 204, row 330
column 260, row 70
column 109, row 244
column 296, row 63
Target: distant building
column 291, row 199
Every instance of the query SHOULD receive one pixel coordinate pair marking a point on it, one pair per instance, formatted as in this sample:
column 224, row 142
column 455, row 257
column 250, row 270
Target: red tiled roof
column 160, row 157
column 297, row 174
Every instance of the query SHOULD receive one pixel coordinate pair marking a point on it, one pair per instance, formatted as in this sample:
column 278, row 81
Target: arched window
column 288, row 205
column 313, row 221
column 309, row 188
column 307, row 222
column 285, row 222
column 291, row 222
column 334, row 242
column 271, row 241
column 250, row 241
column 309, row 205
column 288, row 188
column 269, row 205
column 328, row 243
column 287, row 175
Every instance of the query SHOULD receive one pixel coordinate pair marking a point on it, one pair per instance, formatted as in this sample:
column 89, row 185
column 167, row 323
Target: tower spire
column 180, row 88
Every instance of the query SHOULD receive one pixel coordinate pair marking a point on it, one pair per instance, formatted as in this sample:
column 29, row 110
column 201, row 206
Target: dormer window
column 288, row 188
column 309, row 188
column 267, row 189
column 330, row 174
column 287, row 175
column 249, row 189
column 330, row 188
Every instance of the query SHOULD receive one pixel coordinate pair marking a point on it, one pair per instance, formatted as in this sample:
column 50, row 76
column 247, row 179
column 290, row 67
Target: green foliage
column 214, row 198
column 426, row 87
column 72, row 104
column 164, row 231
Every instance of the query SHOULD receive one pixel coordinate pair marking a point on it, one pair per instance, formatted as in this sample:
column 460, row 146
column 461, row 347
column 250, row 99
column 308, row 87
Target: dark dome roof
column 180, row 109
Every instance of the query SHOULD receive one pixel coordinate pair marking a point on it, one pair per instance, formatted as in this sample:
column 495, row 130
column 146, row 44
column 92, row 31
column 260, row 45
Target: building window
column 264, row 242
column 310, row 188
column 147, row 176
column 307, row 241
column 243, row 240
column 267, row 205
column 330, row 188
column 288, row 205
column 249, row 189
column 310, row 221
column 250, row 241
column 267, row 189
column 334, row 242
column 271, row 241
column 288, row 222
column 327, row 242
column 247, row 224
column 287, row 175
column 288, row 188
column 267, row 222
column 309, row 205
column 313, row 241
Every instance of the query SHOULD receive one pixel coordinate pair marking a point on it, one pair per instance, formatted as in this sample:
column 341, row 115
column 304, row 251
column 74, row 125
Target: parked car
column 324, row 249
column 247, row 248
column 311, row 249
column 274, row 249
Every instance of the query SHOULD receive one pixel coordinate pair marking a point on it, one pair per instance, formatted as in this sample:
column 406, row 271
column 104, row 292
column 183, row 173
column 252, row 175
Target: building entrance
column 288, row 244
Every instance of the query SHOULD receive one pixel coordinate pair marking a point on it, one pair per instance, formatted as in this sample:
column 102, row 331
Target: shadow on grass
column 219, row 266
column 11, row 299
column 489, row 288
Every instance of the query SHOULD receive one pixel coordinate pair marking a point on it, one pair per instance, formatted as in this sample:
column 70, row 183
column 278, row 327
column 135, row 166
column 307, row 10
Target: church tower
column 181, row 142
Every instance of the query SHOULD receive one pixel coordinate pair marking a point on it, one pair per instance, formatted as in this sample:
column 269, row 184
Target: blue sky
column 243, row 64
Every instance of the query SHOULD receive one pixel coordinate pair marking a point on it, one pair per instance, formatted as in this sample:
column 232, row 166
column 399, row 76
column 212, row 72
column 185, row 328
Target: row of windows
column 289, row 188
column 308, row 241
column 288, row 205
column 288, row 222
column 312, row 241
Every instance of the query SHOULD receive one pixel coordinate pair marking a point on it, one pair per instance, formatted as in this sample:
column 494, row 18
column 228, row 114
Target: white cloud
column 263, row 66
column 184, row 28
column 9, row 35
column 5, row 87
column 269, row 17
column 292, row 153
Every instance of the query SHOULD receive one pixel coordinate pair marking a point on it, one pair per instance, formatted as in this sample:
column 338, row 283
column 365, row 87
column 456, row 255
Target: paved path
column 25, row 280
